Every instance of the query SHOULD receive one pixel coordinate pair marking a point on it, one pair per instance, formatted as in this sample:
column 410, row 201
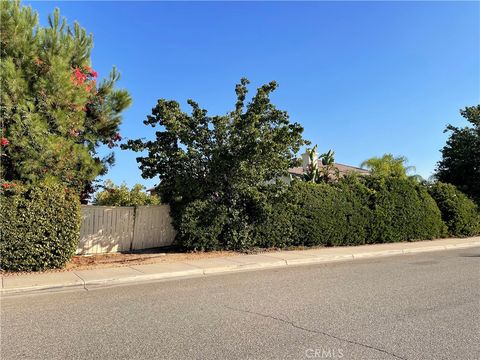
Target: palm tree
column 329, row 172
column 389, row 165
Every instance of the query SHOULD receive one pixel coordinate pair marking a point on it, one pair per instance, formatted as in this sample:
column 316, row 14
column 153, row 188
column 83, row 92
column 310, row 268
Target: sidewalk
column 89, row 279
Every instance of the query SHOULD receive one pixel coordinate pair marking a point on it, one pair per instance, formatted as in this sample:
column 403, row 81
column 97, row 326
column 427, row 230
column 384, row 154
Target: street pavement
column 416, row 306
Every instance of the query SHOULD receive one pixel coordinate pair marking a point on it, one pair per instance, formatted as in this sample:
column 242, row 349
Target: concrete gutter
column 97, row 278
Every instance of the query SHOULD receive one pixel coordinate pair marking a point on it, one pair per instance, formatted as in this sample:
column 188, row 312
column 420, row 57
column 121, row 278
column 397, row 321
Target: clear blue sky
column 362, row 78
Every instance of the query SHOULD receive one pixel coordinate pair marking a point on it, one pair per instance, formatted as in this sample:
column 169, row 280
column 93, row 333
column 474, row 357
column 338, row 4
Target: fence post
column 133, row 229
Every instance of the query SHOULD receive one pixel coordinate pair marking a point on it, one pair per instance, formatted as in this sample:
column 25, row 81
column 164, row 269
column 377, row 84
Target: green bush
column 200, row 226
column 353, row 211
column 207, row 225
column 275, row 228
column 315, row 214
column 402, row 210
column 121, row 195
column 359, row 216
column 326, row 215
column 212, row 224
column 459, row 212
column 40, row 227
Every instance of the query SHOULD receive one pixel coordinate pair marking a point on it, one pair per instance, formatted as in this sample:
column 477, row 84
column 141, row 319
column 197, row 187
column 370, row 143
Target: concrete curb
column 141, row 278
column 41, row 288
column 143, row 273
column 378, row 254
column 320, row 259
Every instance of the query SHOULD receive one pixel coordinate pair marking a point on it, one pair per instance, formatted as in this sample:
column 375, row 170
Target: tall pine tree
column 54, row 113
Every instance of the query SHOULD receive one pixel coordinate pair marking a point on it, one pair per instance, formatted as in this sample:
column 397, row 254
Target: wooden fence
column 107, row 229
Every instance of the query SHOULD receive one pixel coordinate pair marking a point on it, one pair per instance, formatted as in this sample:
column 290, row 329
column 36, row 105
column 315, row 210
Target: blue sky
column 363, row 78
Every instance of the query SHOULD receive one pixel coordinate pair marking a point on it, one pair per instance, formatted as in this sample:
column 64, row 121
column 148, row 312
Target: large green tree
column 230, row 161
column 54, row 113
column 460, row 163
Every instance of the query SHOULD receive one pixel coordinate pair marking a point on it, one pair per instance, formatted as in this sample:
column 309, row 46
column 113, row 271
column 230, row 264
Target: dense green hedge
column 275, row 229
column 200, row 226
column 402, row 210
column 459, row 212
column 39, row 227
column 353, row 211
column 314, row 214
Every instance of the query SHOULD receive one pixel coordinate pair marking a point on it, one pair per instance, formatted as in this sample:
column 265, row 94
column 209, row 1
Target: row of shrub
column 353, row 211
column 39, row 227
column 460, row 214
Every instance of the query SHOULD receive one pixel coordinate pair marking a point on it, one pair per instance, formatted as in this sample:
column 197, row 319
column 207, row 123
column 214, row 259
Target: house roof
column 298, row 171
column 342, row 168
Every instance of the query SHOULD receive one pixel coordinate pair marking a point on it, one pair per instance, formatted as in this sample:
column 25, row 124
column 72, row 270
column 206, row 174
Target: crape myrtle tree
column 54, row 113
column 460, row 163
column 229, row 162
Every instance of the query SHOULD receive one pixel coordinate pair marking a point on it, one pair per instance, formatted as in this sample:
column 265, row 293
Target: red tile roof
column 342, row 168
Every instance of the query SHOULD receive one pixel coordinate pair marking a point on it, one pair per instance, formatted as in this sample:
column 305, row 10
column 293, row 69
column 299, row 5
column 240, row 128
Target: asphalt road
column 424, row 306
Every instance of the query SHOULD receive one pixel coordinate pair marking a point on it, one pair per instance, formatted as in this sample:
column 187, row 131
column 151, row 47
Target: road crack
column 291, row 323
column 83, row 282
